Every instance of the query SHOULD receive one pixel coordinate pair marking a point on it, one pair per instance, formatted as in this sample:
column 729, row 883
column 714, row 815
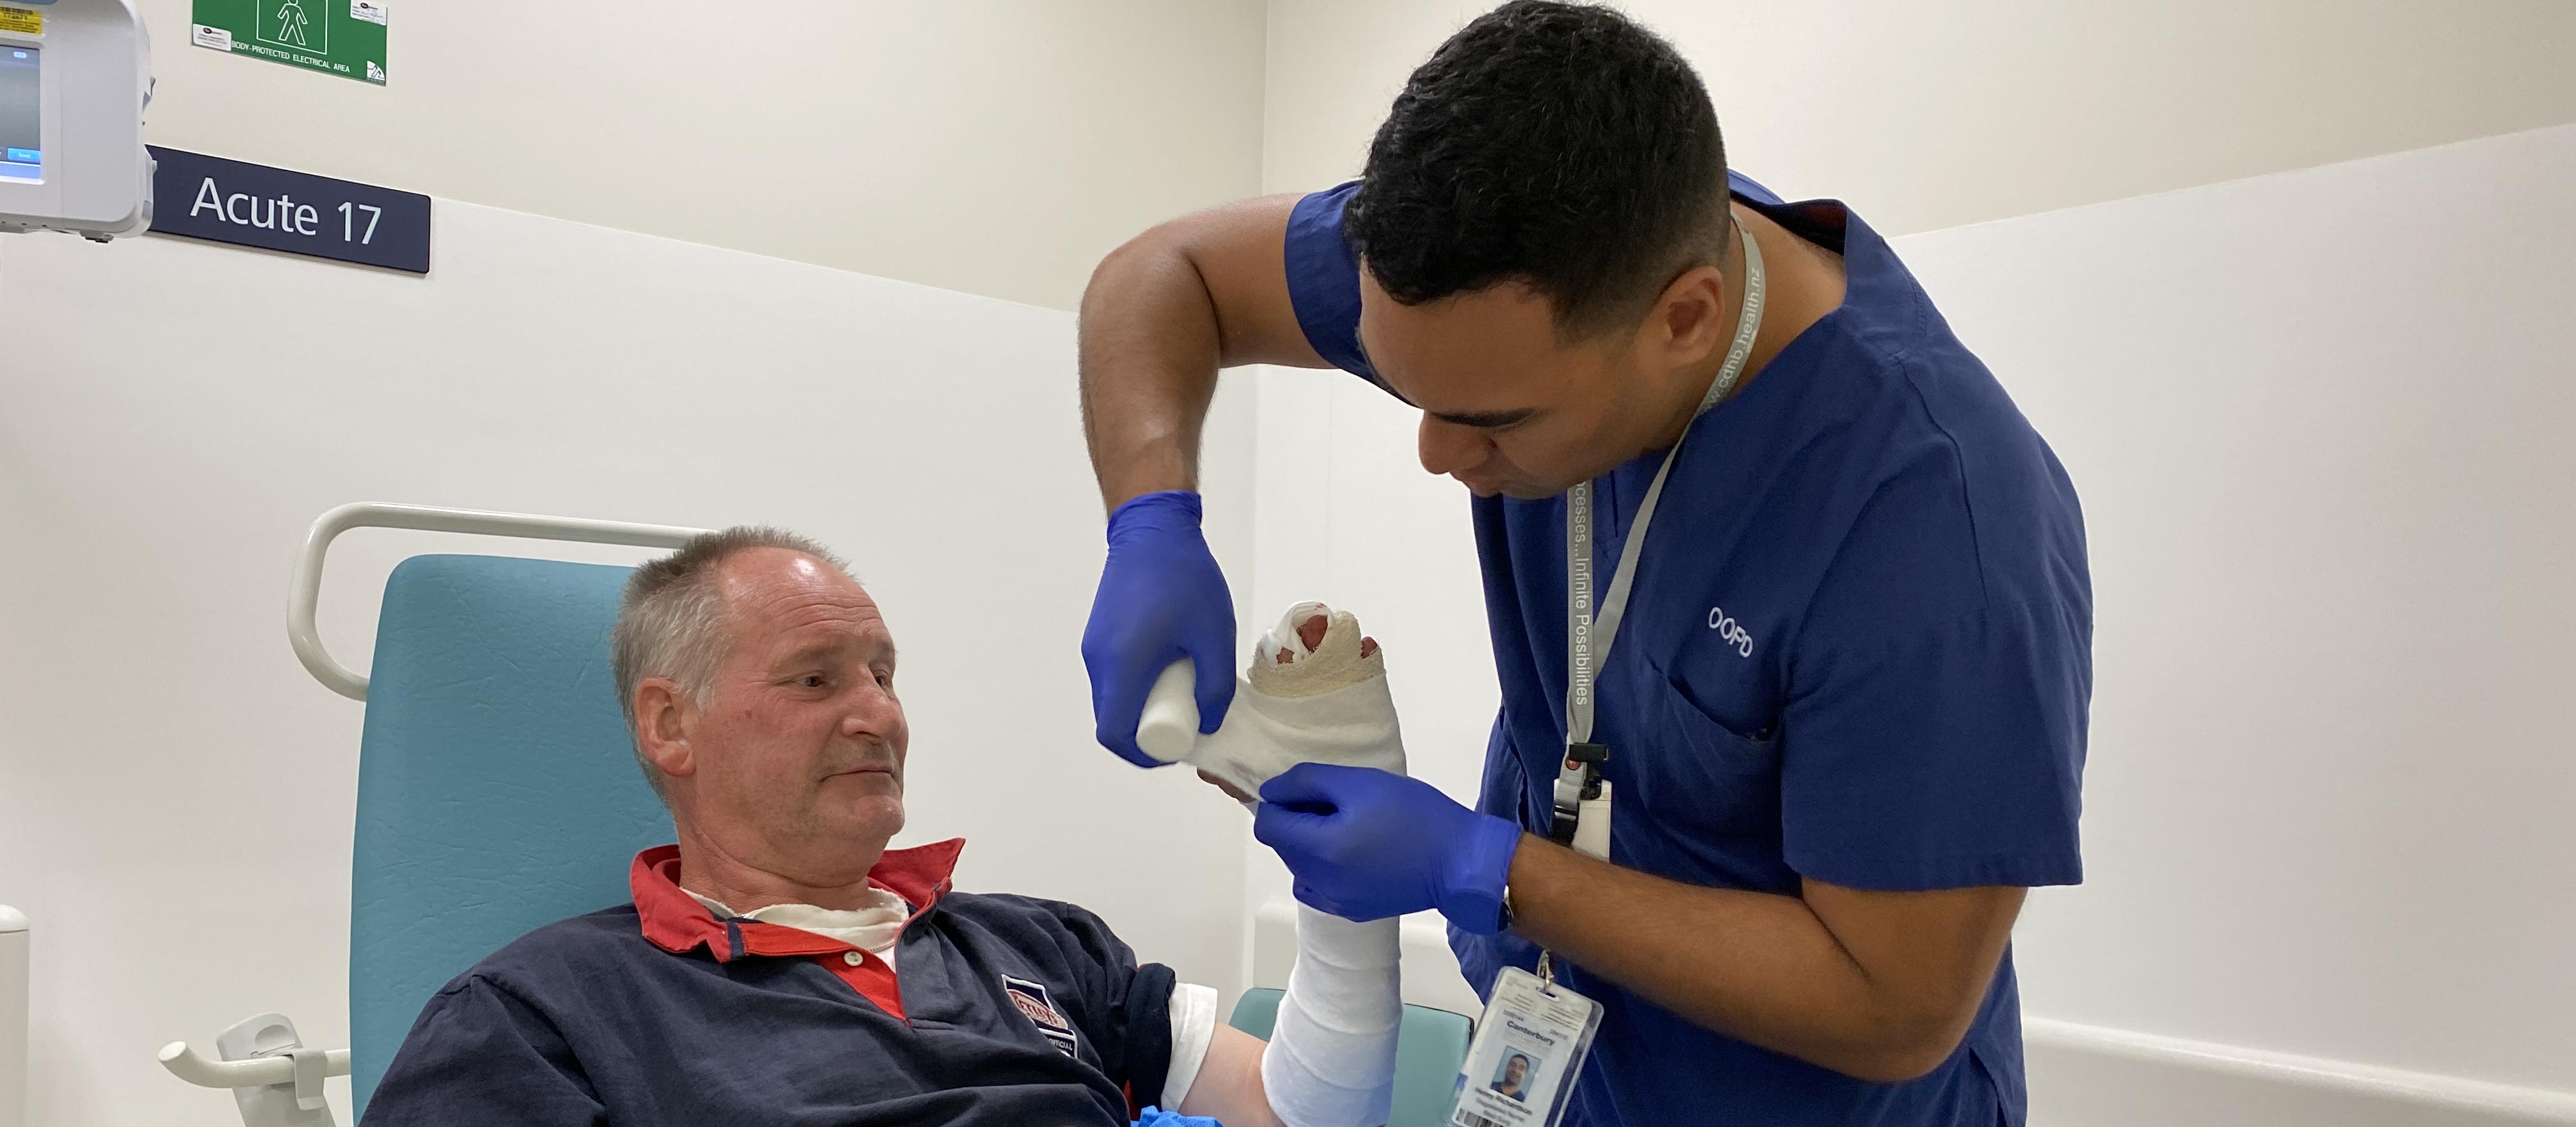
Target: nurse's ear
column 664, row 714
column 1687, row 324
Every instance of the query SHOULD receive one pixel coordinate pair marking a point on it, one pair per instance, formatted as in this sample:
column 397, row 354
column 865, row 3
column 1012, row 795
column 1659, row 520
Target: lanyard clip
column 1578, row 783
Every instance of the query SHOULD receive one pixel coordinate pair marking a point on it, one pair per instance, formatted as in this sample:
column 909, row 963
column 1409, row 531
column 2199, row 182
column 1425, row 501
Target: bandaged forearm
column 1331, row 1057
column 1306, row 698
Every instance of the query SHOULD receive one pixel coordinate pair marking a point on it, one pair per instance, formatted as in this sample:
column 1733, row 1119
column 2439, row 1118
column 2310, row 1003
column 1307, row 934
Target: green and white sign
column 342, row 37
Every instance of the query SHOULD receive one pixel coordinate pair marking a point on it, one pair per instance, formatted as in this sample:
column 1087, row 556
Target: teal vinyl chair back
column 1430, row 1047
column 497, row 787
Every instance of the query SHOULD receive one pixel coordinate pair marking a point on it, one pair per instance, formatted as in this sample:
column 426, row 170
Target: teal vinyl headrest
column 497, row 786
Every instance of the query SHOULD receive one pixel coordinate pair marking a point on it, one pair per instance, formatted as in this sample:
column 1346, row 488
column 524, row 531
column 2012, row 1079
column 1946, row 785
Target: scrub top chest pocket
column 1701, row 799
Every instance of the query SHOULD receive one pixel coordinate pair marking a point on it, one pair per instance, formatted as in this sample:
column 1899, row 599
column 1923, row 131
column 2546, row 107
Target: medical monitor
column 22, row 123
column 75, row 76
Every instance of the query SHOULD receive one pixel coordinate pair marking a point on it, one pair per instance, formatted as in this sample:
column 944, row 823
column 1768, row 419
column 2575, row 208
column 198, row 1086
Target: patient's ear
column 662, row 720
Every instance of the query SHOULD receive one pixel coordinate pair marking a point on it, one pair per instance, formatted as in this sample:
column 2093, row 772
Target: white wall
column 2316, row 421
column 175, row 792
column 998, row 147
column 1926, row 116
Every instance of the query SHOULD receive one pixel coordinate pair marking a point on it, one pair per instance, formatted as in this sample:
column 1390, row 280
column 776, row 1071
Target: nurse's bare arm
column 1162, row 314
column 1875, row 985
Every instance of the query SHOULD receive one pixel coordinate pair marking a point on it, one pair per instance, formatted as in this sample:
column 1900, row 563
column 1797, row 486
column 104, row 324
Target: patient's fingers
column 1310, row 632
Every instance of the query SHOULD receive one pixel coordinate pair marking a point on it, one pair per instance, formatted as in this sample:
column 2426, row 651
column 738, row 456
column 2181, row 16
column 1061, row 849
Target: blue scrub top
column 1858, row 651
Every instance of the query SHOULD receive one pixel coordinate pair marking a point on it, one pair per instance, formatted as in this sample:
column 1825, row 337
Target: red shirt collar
column 675, row 921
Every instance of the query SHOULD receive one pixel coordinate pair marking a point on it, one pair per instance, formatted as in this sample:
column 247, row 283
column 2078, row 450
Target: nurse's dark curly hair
column 1556, row 145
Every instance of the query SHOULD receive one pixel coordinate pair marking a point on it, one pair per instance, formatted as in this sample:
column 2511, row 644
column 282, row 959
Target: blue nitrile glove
column 1366, row 844
column 1161, row 599
column 1157, row 1117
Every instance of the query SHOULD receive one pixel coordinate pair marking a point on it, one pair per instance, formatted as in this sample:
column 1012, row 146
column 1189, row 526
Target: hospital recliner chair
column 497, row 788
column 498, row 792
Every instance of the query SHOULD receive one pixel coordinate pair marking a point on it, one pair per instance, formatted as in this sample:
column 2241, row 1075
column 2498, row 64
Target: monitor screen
column 22, row 135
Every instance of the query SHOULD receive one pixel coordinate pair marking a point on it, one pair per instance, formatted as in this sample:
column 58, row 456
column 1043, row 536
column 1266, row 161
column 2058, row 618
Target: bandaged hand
column 1315, row 691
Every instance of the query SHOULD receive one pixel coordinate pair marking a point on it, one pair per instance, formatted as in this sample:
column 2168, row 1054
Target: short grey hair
column 671, row 621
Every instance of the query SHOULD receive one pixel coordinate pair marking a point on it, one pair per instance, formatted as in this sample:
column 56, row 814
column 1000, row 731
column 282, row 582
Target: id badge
column 1522, row 1064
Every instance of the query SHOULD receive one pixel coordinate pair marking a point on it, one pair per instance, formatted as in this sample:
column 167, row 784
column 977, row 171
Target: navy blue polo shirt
column 1000, row 1010
column 1858, row 651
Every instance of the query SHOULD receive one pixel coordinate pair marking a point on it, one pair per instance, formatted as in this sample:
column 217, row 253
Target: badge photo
column 1528, row 1047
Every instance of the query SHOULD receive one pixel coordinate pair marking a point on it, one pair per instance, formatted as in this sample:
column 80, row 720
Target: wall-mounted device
column 74, row 78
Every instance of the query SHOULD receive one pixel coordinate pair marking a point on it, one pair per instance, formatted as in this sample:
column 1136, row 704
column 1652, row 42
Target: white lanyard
column 1588, row 636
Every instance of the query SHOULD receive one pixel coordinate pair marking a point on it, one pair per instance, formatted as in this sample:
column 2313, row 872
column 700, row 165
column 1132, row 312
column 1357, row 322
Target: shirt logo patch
column 1730, row 632
column 1039, row 1008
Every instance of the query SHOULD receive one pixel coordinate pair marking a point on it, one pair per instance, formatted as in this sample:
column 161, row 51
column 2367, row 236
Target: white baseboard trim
column 2478, row 1099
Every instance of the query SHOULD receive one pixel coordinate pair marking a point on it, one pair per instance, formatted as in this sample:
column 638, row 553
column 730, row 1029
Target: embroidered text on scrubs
column 1729, row 630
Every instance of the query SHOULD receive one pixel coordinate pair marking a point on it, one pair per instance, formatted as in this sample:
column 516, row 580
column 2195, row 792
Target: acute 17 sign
column 231, row 201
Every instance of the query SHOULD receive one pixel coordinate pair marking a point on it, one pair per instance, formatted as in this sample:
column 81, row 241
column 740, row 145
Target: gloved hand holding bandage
column 1161, row 597
column 1315, row 692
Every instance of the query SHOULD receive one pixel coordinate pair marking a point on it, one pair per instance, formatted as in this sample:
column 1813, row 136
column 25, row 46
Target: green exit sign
column 342, row 37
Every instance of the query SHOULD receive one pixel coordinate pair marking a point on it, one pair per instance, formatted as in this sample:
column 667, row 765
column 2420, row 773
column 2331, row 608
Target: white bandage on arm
column 1331, row 1058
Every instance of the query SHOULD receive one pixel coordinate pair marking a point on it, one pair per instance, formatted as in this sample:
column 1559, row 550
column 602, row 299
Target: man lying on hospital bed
column 754, row 977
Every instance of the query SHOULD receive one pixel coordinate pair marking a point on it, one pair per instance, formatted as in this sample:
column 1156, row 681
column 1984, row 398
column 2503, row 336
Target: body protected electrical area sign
column 342, row 37
column 253, row 205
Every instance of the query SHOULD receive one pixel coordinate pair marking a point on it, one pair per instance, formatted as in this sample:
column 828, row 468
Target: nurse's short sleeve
column 1945, row 755
column 1324, row 280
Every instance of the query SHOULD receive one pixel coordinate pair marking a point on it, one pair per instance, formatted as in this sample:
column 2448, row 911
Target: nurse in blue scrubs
column 1789, row 602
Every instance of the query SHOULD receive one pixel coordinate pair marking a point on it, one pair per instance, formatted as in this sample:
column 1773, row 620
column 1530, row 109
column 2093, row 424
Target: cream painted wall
column 997, row 148
column 1925, row 116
